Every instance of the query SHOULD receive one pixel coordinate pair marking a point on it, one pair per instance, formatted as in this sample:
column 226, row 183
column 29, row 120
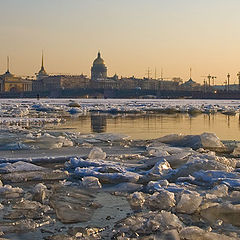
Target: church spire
column 7, row 73
column 8, row 64
column 42, row 67
column 42, row 73
column 99, row 54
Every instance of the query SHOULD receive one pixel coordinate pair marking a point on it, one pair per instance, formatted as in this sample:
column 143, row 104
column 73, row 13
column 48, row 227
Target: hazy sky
column 131, row 34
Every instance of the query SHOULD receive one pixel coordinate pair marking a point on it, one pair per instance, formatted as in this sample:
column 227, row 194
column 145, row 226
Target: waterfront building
column 191, row 85
column 60, row 82
column 98, row 70
column 46, row 82
column 11, row 83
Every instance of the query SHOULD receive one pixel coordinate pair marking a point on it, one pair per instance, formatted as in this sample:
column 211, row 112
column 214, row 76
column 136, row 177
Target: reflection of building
column 11, row 83
column 98, row 70
column 98, row 123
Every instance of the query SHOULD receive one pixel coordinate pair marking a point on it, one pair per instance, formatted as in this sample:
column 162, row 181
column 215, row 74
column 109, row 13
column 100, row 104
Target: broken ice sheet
column 72, row 205
column 190, row 171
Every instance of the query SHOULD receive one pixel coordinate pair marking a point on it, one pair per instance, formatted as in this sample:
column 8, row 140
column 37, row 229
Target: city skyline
column 132, row 36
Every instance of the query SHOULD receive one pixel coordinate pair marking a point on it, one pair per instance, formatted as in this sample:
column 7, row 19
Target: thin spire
column 190, row 73
column 42, row 58
column 99, row 54
column 7, row 63
column 42, row 67
column 42, row 71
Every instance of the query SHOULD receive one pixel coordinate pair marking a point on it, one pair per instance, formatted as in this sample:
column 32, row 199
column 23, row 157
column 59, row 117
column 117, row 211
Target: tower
column 228, row 82
column 238, row 74
column 42, row 73
column 7, row 73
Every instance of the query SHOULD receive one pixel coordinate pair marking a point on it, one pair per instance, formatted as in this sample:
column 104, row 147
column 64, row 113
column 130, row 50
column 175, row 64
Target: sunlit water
column 149, row 126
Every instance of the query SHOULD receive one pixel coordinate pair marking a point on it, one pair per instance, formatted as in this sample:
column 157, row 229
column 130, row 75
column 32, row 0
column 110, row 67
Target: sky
column 132, row 35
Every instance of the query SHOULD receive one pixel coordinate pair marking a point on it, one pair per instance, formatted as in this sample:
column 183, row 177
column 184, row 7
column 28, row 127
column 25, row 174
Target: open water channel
column 155, row 125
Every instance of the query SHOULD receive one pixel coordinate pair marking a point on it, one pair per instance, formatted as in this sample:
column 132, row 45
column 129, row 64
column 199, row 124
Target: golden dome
column 98, row 60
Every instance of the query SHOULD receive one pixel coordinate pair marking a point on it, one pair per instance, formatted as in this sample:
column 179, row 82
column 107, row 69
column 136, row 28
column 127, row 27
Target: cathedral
column 98, row 70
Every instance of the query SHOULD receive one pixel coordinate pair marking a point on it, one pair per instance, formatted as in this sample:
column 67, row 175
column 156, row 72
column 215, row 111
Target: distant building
column 45, row 82
column 60, row 82
column 98, row 70
column 11, row 83
column 191, row 85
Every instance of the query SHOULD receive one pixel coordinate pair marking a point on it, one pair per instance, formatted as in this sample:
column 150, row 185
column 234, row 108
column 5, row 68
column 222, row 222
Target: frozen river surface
column 119, row 169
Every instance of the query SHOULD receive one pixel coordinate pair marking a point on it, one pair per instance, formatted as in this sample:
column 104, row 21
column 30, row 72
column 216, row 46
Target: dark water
column 149, row 126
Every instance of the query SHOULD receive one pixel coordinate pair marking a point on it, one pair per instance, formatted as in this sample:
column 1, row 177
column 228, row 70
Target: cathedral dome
column 98, row 70
column 98, row 60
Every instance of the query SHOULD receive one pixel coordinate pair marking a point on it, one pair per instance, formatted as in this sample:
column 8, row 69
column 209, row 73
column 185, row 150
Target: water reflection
column 98, row 123
column 148, row 126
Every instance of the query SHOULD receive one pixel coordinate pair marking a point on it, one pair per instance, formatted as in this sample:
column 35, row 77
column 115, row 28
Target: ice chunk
column 117, row 177
column 147, row 223
column 97, row 153
column 136, row 200
column 91, row 182
column 35, row 175
column 176, row 160
column 162, row 200
column 47, row 141
column 196, row 233
column 157, row 186
column 25, row 225
column 161, row 168
column 82, row 233
column 198, row 165
column 7, row 191
column 24, row 204
column 211, row 141
column 19, row 167
column 231, row 179
column 39, row 193
column 157, row 152
column 74, row 104
column 236, row 151
column 74, row 110
column 72, row 205
column 205, row 140
column 80, row 162
column 189, row 203
column 171, row 138
column 219, row 191
column 168, row 235
column 233, row 184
